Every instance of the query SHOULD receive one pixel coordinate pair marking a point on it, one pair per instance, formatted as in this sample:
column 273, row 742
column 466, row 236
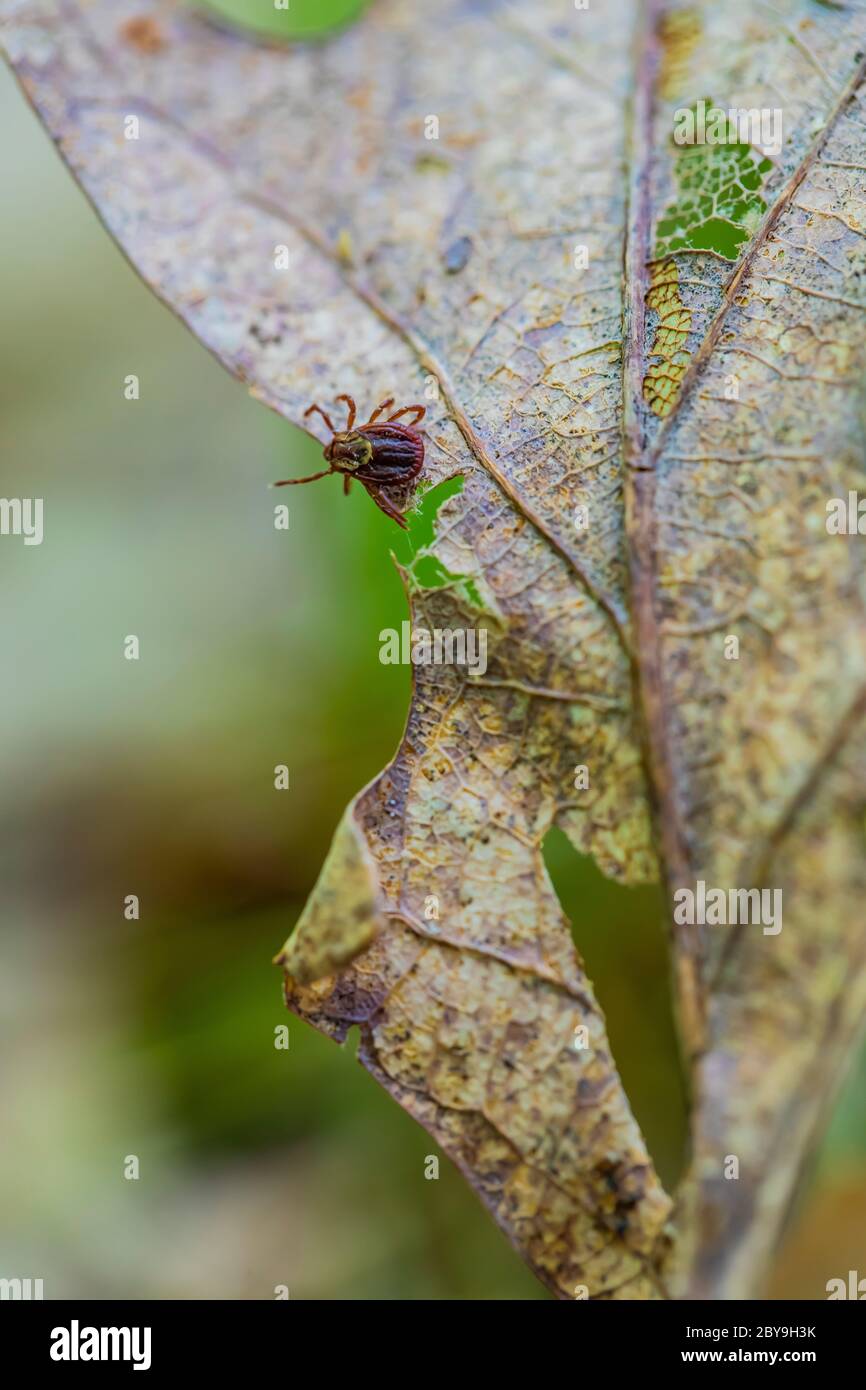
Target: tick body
column 380, row 455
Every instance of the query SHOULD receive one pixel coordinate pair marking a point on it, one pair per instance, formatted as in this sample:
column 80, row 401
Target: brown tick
column 378, row 455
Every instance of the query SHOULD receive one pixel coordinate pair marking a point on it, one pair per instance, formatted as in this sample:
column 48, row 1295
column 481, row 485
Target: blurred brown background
column 156, row 1037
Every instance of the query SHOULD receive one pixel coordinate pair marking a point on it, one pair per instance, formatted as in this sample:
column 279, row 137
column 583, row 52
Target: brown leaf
column 760, row 760
column 457, row 261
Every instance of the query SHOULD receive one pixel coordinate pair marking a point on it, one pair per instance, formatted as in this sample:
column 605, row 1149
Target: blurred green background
column 155, row 1037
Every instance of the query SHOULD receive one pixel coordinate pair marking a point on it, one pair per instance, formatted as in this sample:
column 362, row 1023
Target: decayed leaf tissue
column 618, row 251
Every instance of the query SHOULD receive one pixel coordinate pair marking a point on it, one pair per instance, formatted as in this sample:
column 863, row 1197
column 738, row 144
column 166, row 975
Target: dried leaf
column 761, row 760
column 342, row 918
column 702, row 409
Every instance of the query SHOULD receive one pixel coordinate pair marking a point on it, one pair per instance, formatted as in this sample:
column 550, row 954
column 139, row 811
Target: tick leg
column 351, row 411
column 379, row 408
column 290, row 482
column 387, row 507
column 312, row 410
column 420, row 412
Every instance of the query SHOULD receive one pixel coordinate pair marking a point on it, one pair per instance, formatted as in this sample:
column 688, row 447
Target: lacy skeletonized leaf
column 785, row 66
column 724, row 370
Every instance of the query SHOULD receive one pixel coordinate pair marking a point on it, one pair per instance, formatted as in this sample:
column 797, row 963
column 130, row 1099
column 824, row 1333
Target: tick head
column 350, row 451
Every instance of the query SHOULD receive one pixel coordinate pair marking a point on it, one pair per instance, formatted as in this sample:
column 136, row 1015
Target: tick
column 379, row 455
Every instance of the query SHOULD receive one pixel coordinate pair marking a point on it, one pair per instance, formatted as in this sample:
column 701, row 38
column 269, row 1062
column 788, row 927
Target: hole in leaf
column 422, row 519
column 427, row 571
column 300, row 19
column 619, row 933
